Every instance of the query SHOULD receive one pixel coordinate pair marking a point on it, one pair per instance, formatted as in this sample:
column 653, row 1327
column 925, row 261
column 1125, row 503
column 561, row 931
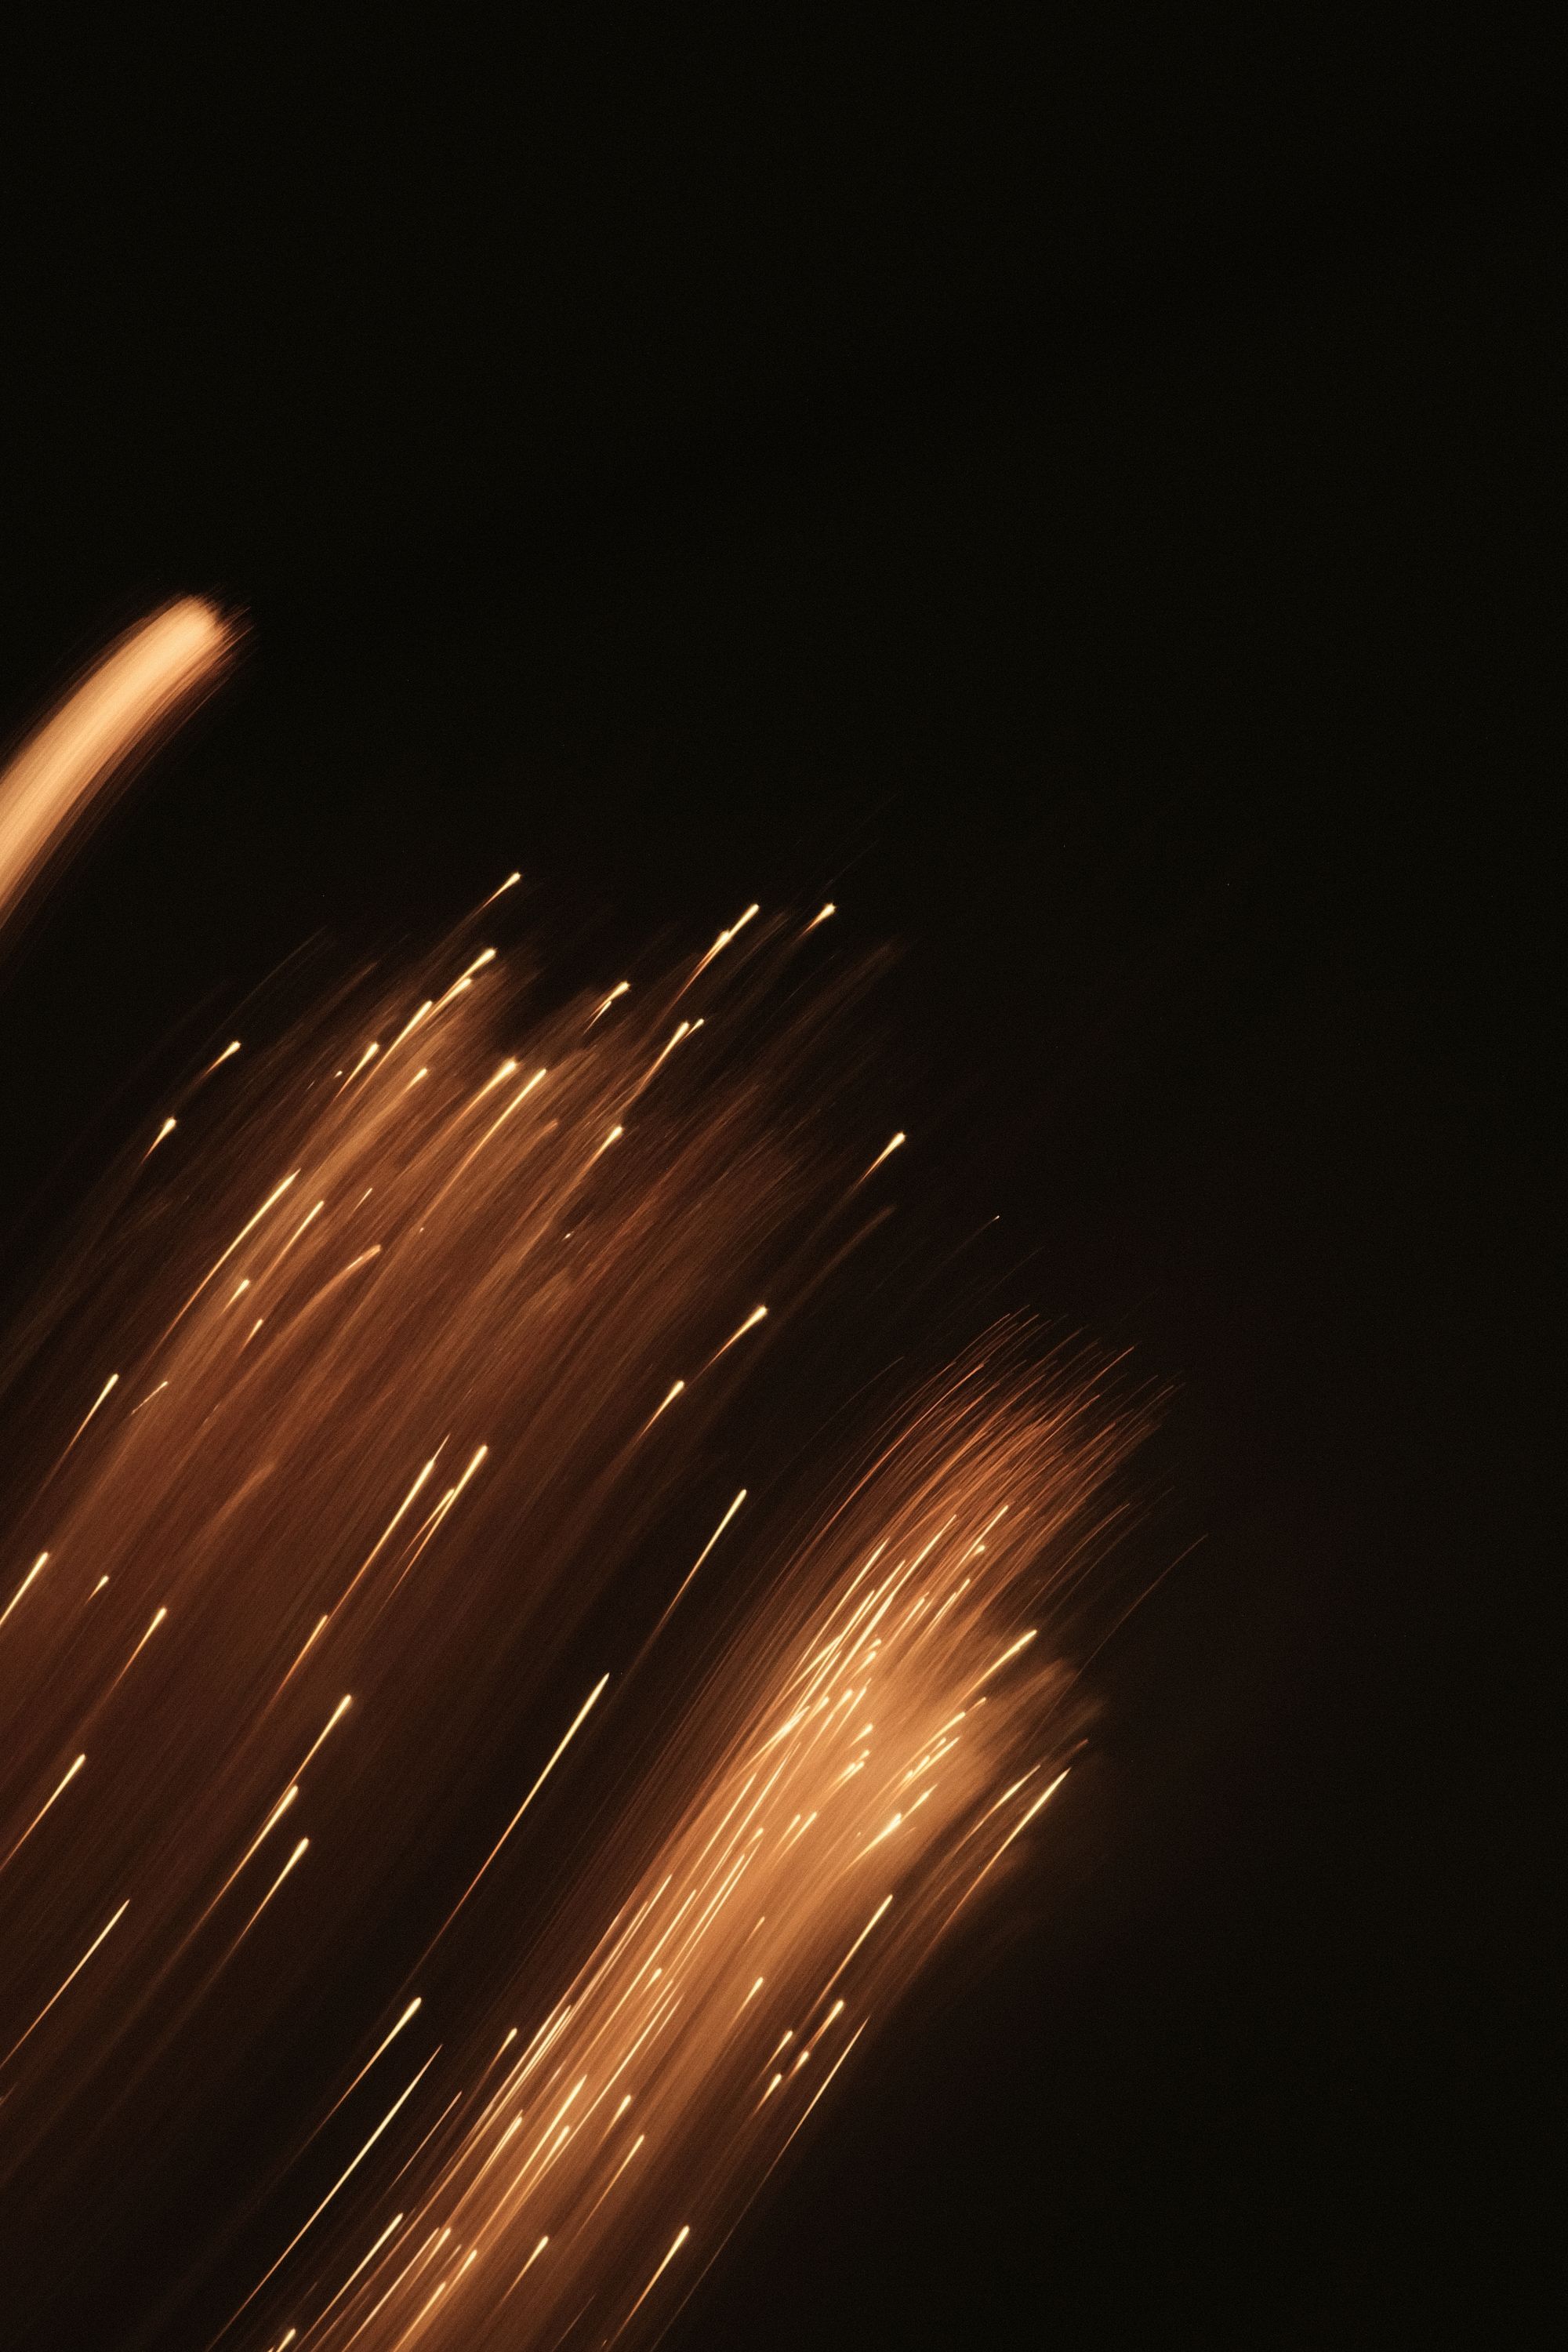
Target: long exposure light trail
column 52, row 784
column 358, row 1430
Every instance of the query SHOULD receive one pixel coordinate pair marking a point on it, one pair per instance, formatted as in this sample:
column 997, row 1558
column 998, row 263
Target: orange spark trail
column 793, row 1887
column 342, row 1276
column 52, row 784
column 65, row 1987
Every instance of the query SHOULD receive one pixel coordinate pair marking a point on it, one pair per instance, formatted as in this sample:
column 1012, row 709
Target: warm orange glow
column 378, row 1552
column 53, row 782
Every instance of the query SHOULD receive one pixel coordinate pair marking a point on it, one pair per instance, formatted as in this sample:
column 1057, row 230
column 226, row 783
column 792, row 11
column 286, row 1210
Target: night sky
column 1086, row 503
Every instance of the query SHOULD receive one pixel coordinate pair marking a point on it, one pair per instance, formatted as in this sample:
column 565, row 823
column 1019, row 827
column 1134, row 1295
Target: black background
column 1084, row 496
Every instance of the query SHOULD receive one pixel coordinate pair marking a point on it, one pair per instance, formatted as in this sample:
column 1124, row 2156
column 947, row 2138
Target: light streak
column 751, row 1323
column 51, row 785
column 270, row 1202
column 60, row 1787
column 37, row 1570
column 111, row 1383
column 324, row 1734
column 346, row 2173
column 159, row 1615
column 268, row 1826
column 384, row 2044
column 696, row 1563
column 829, row 1698
column 887, row 1152
column 681, row 2235
column 65, row 1985
column 365, row 2260
column 572, row 1728
column 296, row 1856
column 855, row 1692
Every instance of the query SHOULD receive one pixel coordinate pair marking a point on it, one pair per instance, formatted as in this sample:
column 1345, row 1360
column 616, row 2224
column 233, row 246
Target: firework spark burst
column 351, row 1442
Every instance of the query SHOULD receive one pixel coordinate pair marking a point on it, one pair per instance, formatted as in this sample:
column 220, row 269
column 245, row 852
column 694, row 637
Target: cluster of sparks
column 415, row 1362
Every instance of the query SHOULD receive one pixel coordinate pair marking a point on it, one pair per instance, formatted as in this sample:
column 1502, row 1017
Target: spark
column 886, row 1152
column 329, row 1726
column 416, row 1020
column 878, row 1916
column 836, row 1684
column 681, row 2235
column 69, row 1982
column 268, row 1826
column 701, row 1556
column 347, row 2173
column 821, row 916
column 158, row 1616
column 604, row 1002
column 310, row 1640
column 271, row 1201
column 64, row 1783
column 411, row 2012
column 676, row 1389
column 363, row 2263
column 37, row 1568
column 296, row 1856
column 719, row 944
column 387, row 1532
column 997, row 1663
column 51, row 784
column 365, row 1059
column 111, row 1383
column 528, row 2264
column 165, row 1130
column 756, row 1315
column 572, row 1728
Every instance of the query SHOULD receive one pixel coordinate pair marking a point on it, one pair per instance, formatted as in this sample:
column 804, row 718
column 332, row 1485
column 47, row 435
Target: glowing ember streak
column 158, row 1617
column 329, row 1726
column 384, row 2044
column 347, row 2173
column 60, row 1789
column 824, row 1797
column 751, row 1323
column 365, row 2260
column 604, row 1002
column 681, row 2235
column 37, row 1566
column 268, row 1826
column 134, row 690
column 674, row 1390
column 719, row 944
column 67, row 1984
column 575, row 1724
column 700, row 1558
column 296, row 1856
column 827, row 1702
column 271, row 1201
column 111, row 1383
column 887, row 1151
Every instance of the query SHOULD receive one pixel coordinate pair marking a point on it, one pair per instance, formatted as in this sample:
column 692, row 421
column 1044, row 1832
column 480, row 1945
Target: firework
column 870, row 1742
column 58, row 779
column 362, row 1441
